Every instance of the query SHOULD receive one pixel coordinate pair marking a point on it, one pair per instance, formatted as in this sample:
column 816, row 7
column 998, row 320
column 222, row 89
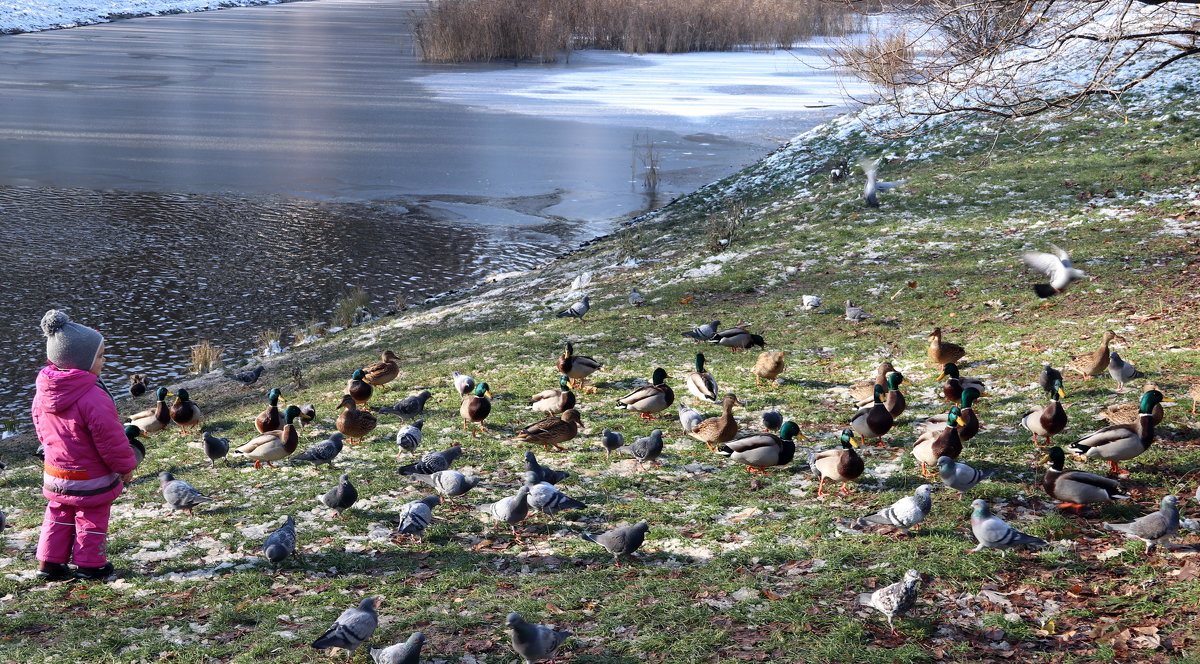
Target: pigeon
column 409, row 437
column 577, row 310
column 621, row 541
column 1050, row 381
column 409, row 406
column 281, row 543
column 308, row 413
column 448, row 483
column 416, row 516
column 340, row 497
column 873, row 186
column 646, row 449
column 463, row 384
column 615, row 440
column 810, row 302
column 1153, row 528
column 139, row 450
column 511, row 510
column 408, row 652
column 993, row 533
column 855, row 314
column 324, row 451
column 703, row 332
column 534, row 643
column 433, row 462
column 543, row 473
column 1057, row 266
column 1122, row 371
column 3, row 522
column 904, row 513
column 689, row 418
column 179, row 494
column 548, row 500
column 897, row 598
column 772, row 420
column 960, row 476
column 248, row 377
column 215, row 448
column 636, row 299
column 351, row 628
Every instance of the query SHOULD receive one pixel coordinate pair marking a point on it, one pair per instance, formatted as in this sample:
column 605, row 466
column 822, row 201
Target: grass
column 733, row 568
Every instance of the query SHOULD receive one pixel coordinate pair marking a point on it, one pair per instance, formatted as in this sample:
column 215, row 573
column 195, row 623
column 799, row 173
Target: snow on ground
column 36, row 15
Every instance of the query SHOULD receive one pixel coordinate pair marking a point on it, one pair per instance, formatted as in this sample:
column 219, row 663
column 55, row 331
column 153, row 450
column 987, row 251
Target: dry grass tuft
column 206, row 356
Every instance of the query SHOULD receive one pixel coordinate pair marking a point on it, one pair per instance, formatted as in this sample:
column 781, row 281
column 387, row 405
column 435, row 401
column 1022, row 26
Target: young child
column 88, row 456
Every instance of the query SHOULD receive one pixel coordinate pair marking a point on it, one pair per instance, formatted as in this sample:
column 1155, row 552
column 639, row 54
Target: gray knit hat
column 70, row 345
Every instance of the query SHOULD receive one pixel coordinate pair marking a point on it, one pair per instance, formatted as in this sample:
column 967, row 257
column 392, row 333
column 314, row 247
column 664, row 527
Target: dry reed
column 349, row 309
column 205, row 356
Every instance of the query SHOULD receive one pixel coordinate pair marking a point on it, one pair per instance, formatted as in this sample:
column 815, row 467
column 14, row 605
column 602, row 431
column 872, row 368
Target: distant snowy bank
column 37, row 15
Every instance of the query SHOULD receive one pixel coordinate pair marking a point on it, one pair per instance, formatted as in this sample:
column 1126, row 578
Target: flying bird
column 1057, row 266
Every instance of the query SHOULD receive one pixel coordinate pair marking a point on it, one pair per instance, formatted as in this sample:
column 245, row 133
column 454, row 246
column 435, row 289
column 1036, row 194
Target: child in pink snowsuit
column 88, row 456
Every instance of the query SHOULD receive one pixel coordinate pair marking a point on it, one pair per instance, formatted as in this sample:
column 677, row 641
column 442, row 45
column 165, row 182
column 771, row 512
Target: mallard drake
column 767, row 367
column 1076, row 488
column 556, row 400
column 352, row 422
column 894, row 401
column 463, row 384
column 1122, row 371
column 966, row 411
column 700, row 383
column 1095, row 362
column 955, row 383
column 763, row 450
column 874, row 421
column 139, row 449
column 650, row 399
column 1122, row 442
column 577, row 367
column 737, row 338
column 137, row 385
column 943, row 352
column 1127, row 413
column 270, row 419
column 933, row 445
column 840, row 464
column 1048, row 420
column 552, row 431
column 384, row 371
column 184, row 411
column 1047, row 380
column 476, row 407
column 359, row 388
column 155, row 419
column 863, row 393
column 273, row 445
column 723, row 428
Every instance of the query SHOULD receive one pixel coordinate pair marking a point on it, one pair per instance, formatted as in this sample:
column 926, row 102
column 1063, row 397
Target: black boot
column 53, row 571
column 94, row 572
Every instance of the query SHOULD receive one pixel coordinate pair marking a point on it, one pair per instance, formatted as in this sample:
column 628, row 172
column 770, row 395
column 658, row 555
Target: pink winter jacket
column 85, row 443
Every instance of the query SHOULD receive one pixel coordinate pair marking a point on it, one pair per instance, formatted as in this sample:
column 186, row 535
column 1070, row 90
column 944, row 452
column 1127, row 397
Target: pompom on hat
column 70, row 345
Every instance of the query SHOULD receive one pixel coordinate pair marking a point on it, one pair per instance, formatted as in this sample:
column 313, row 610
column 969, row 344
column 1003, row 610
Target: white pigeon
column 895, row 599
column 1057, row 266
column 904, row 513
column 810, row 302
column 463, row 384
column 873, row 186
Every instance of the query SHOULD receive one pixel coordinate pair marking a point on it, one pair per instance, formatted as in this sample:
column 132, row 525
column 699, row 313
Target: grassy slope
column 955, row 230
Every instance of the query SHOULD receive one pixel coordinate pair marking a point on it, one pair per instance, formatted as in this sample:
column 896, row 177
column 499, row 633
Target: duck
column 894, row 401
column 767, row 367
column 184, row 411
column 943, row 352
column 873, row 421
column 556, row 400
column 737, row 338
column 552, row 431
column 863, row 393
column 956, row 383
column 933, row 445
column 1122, row 442
column 308, row 413
column 476, row 407
column 352, row 422
column 273, row 445
column 966, row 412
column 137, row 385
column 155, row 419
column 723, row 428
column 139, row 449
column 760, row 451
column 1048, row 420
column 840, row 464
column 650, row 399
column 270, row 419
column 700, row 383
column 1076, row 488
column 1127, row 413
column 577, row 367
column 359, row 388
column 1194, row 394
column 382, row 372
column 1096, row 362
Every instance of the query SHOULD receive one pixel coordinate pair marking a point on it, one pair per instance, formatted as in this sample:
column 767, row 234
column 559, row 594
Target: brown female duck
column 1095, row 362
column 552, row 431
column 864, row 393
column 720, row 429
column 384, row 371
column 352, row 422
column 943, row 352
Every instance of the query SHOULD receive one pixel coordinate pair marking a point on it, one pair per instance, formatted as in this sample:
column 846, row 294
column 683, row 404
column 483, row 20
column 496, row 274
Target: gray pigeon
column 433, row 462
column 1153, row 528
column 613, row 441
column 409, row 437
column 281, row 543
column 993, row 533
column 646, row 449
column 408, row 652
column 324, row 451
column 772, row 420
column 409, row 406
column 248, row 377
column 960, row 476
column 1122, row 371
column 904, row 513
column 689, row 418
column 449, row 483
column 855, row 314
column 416, row 516
column 179, row 494
column 874, row 186
column 621, row 541
column 1057, row 266
column 897, row 598
column 703, row 332
column 352, row 628
column 215, row 448
column 3, row 522
column 534, row 643
column 636, row 299
column 308, row 413
column 544, row 473
column 548, row 500
column 463, row 384
column 340, row 497
column 577, row 310
column 511, row 510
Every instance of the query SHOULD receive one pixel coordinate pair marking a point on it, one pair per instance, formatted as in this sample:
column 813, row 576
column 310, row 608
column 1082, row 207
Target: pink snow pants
column 74, row 532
